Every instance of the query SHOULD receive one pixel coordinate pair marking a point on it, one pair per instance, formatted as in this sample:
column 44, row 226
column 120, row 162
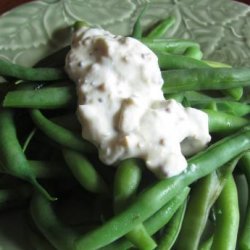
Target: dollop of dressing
column 122, row 108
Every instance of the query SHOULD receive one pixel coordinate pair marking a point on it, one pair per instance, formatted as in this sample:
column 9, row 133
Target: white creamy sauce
column 122, row 108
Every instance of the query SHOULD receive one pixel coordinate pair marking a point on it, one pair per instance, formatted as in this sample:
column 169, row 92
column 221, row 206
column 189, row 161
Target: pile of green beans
column 75, row 202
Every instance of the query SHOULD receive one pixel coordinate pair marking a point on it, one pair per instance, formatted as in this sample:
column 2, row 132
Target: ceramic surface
column 38, row 28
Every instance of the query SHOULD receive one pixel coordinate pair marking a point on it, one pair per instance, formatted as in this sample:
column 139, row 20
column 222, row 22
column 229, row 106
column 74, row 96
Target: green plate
column 36, row 29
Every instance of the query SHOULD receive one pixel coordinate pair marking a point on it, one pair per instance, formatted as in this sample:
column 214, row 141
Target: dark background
column 8, row 4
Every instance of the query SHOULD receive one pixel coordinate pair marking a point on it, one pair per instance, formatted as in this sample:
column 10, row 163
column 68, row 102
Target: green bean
column 202, row 198
column 193, row 52
column 207, row 244
column 126, row 182
column 155, row 222
column 236, row 93
column 185, row 102
column 213, row 106
column 170, row 61
column 163, row 215
column 242, row 188
column 204, row 79
column 80, row 24
column 28, row 139
column 227, row 217
column 172, row 229
column 60, row 135
column 160, row 30
column 223, row 122
column 234, row 108
column 12, row 156
column 84, row 172
column 175, row 80
column 31, row 74
column 45, row 98
column 125, row 221
column 169, row 45
column 215, row 64
column 179, row 97
column 141, row 238
column 137, row 29
column 50, row 226
column 202, row 101
column 199, row 166
column 244, row 237
column 196, row 97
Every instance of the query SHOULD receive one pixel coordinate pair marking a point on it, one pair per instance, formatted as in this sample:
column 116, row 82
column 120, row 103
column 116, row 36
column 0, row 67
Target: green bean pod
column 193, row 52
column 60, row 135
column 207, row 244
column 45, row 98
column 170, row 61
column 155, row 222
column 84, row 172
column 137, row 29
column 169, row 45
column 172, row 229
column 79, row 24
column 28, row 139
column 236, row 93
column 235, row 108
column 163, row 215
column 126, row 182
column 31, row 74
column 244, row 236
column 223, row 122
column 204, row 79
column 140, row 238
column 227, row 217
column 215, row 64
column 202, row 101
column 160, row 30
column 202, row 197
column 12, row 156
